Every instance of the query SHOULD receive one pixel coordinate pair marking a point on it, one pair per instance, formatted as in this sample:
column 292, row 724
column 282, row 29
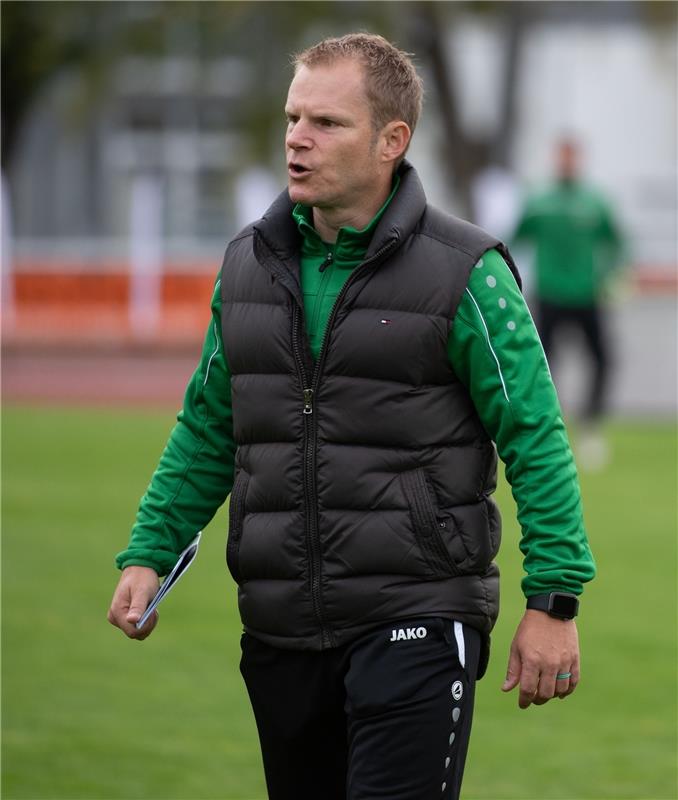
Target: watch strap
column 539, row 602
column 561, row 605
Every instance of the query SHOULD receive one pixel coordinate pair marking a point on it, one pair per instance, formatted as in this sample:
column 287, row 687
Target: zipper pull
column 328, row 260
column 308, row 401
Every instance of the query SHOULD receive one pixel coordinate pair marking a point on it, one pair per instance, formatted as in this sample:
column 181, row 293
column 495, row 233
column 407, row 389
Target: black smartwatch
column 560, row 605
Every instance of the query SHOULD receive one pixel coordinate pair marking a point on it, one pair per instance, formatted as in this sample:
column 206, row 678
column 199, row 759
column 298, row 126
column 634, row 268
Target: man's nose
column 297, row 136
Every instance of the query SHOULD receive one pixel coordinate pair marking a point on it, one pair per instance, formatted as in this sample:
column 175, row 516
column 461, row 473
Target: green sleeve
column 496, row 352
column 195, row 472
column 610, row 237
column 525, row 227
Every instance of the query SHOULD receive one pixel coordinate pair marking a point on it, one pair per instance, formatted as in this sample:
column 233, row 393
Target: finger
column 546, row 689
column 136, row 608
column 122, row 615
column 120, row 621
column 574, row 678
column 563, row 687
column 576, row 670
column 147, row 630
column 529, row 683
column 512, row 672
column 117, row 614
column 141, row 597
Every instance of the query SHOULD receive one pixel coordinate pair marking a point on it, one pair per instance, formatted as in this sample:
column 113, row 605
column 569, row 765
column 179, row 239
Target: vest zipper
column 321, row 289
column 309, row 486
column 310, row 436
column 329, row 258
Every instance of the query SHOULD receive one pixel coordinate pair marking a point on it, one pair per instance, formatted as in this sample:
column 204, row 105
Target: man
column 578, row 246
column 364, row 349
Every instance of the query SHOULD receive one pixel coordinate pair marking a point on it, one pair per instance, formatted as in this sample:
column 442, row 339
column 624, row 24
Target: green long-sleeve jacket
column 576, row 239
column 493, row 348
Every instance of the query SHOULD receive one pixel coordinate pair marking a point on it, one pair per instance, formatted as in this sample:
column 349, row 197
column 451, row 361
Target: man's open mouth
column 298, row 169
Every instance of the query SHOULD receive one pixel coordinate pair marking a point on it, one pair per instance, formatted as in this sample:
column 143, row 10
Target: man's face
column 331, row 144
column 567, row 160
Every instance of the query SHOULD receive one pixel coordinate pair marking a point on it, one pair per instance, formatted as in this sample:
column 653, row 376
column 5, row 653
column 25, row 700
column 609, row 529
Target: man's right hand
column 135, row 590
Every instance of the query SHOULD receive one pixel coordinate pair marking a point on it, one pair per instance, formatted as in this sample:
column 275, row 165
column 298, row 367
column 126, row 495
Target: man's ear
column 395, row 137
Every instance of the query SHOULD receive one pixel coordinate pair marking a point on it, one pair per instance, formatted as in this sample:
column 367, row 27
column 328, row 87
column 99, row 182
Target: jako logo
column 403, row 634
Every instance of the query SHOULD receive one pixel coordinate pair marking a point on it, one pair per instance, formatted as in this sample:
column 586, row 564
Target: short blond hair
column 393, row 87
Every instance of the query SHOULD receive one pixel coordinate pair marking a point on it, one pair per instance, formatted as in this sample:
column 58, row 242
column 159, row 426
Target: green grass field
column 88, row 714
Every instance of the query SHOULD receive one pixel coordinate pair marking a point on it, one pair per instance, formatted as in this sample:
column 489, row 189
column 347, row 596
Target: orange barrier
column 655, row 280
column 68, row 303
column 71, row 290
column 110, row 287
column 77, row 306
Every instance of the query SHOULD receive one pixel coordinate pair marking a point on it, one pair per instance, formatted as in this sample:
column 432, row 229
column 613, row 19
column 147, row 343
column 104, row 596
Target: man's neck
column 329, row 221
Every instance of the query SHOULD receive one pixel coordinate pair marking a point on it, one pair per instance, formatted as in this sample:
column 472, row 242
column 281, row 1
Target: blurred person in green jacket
column 578, row 246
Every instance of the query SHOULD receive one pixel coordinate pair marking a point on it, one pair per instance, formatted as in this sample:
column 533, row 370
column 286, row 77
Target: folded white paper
column 184, row 562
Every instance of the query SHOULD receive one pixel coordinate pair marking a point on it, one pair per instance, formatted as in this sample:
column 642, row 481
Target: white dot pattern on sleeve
column 511, row 325
column 479, row 265
column 489, row 342
column 502, row 302
column 491, row 281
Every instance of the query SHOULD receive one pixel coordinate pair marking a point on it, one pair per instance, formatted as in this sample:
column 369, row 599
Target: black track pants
column 589, row 321
column 387, row 716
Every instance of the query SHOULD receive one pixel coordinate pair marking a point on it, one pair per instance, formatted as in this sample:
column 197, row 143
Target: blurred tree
column 41, row 39
column 465, row 155
column 274, row 32
column 38, row 41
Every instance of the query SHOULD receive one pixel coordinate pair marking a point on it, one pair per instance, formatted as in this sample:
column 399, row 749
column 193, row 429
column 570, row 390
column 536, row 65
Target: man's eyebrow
column 326, row 113
column 333, row 114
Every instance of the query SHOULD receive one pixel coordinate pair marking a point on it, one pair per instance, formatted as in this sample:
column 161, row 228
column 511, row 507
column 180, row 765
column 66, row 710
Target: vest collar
column 278, row 231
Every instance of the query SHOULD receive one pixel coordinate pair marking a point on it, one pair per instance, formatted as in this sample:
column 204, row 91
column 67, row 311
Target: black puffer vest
column 363, row 480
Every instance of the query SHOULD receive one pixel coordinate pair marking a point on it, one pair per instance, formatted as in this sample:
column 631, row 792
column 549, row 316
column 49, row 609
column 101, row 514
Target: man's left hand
column 543, row 649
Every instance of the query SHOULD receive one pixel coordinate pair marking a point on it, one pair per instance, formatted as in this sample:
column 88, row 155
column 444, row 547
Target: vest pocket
column 474, row 536
column 425, row 523
column 236, row 517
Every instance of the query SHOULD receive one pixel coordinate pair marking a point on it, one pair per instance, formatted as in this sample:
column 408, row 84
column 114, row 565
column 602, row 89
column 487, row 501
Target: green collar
column 351, row 244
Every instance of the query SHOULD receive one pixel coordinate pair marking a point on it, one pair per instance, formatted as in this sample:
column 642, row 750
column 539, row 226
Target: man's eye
column 327, row 123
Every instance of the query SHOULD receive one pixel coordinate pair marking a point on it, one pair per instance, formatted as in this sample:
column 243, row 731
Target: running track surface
column 124, row 377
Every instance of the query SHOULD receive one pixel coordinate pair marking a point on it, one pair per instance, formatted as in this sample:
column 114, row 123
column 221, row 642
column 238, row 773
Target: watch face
column 563, row 605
